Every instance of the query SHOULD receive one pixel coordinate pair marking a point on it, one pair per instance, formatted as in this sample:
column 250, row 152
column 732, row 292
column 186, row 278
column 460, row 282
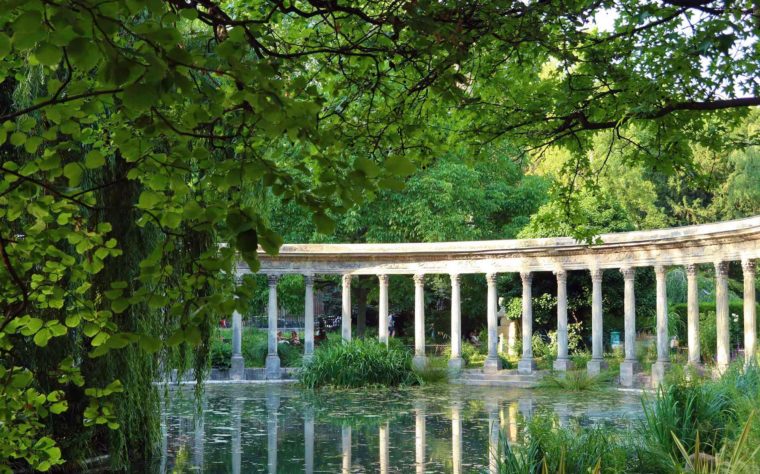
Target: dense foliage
column 138, row 136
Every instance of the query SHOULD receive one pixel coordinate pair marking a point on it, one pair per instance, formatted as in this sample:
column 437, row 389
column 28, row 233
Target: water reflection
column 429, row 429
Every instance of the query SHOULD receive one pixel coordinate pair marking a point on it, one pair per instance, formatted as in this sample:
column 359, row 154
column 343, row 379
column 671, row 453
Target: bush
column 358, row 363
column 576, row 381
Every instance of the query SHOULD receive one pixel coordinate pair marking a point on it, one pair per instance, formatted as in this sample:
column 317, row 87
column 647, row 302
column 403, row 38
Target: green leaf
column 324, row 224
column 400, row 165
column 248, row 241
column 74, row 173
column 94, row 159
column 5, row 45
column 149, row 344
column 73, row 320
column 42, row 337
column 148, row 199
column 48, row 54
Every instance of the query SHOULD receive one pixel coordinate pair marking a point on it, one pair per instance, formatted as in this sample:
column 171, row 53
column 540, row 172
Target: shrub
column 575, row 381
column 358, row 363
column 220, row 352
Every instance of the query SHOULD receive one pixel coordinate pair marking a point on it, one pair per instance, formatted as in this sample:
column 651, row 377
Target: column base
column 595, row 367
column 307, row 359
column 237, row 368
column 526, row 366
column 563, row 365
column 272, row 367
column 659, row 369
column 628, row 370
column 456, row 364
column 419, row 362
column 719, row 370
column 492, row 364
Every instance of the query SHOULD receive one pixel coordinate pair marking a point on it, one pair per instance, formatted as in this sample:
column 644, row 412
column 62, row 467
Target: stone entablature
column 707, row 243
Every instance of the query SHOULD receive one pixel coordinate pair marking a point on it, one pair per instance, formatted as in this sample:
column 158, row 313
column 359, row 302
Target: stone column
column 456, row 363
column 492, row 362
column 723, row 354
column 527, row 364
column 456, row 438
column 597, row 363
column 308, row 345
column 384, row 448
column 345, row 438
column 308, row 440
column 382, row 323
column 420, row 360
column 562, row 363
column 237, row 364
column 692, row 310
column 272, row 367
column 663, row 347
column 493, row 437
column 750, row 321
column 630, row 365
column 345, row 328
column 419, row 439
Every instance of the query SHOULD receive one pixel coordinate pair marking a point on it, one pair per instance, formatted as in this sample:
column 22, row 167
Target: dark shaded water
column 282, row 428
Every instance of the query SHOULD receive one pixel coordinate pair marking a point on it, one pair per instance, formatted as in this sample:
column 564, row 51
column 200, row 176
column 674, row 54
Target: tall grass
column 574, row 449
column 706, row 415
column 358, row 363
column 690, row 425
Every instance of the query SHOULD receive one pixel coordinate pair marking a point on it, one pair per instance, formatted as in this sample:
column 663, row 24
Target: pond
column 440, row 428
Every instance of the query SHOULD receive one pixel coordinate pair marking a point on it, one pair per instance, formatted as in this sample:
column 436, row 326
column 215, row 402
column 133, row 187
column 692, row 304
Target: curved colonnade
column 707, row 244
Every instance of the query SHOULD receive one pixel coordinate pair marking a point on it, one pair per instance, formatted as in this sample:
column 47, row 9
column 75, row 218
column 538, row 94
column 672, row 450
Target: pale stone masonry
column 708, row 244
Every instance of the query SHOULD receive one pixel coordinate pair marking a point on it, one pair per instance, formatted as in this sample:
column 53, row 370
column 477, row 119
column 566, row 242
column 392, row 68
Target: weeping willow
column 134, row 445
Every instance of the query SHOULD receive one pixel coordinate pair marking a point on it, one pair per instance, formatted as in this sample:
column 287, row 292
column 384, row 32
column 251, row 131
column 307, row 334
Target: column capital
column 526, row 277
column 491, row 278
column 748, row 266
column 308, row 279
column 691, row 269
column 456, row 278
column 596, row 274
column 721, row 269
column 659, row 271
column 383, row 279
column 346, row 280
column 273, row 279
column 561, row 274
column 419, row 279
column 628, row 273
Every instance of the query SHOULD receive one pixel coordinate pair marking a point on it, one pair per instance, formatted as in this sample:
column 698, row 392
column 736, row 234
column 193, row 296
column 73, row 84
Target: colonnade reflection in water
column 279, row 429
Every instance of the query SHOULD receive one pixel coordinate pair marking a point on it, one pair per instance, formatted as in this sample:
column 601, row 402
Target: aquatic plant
column 358, row 363
column 575, row 381
column 572, row 449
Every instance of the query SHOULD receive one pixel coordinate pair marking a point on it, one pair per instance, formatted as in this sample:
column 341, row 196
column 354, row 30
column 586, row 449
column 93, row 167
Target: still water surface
column 282, row 428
